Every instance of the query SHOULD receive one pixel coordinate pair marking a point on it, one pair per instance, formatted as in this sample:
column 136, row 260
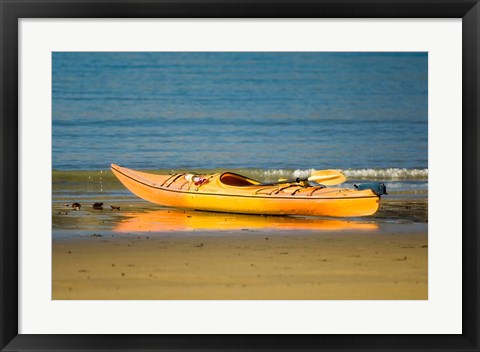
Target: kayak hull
column 334, row 203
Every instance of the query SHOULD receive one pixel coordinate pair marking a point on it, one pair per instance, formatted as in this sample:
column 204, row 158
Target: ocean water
column 268, row 113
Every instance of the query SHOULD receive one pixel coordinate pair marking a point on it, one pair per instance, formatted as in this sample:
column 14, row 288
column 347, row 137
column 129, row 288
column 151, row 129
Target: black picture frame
column 11, row 11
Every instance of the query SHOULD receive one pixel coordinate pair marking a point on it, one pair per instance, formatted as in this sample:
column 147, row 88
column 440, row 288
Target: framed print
column 231, row 175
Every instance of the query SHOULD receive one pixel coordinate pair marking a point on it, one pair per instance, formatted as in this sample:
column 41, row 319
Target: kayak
column 233, row 193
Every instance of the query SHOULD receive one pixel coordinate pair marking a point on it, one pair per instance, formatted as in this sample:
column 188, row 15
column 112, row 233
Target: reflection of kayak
column 232, row 193
column 162, row 220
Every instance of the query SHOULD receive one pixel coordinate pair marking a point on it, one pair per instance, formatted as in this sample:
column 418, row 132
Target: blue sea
column 366, row 113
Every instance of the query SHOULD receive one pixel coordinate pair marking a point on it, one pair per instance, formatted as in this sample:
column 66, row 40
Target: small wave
column 263, row 175
column 387, row 174
column 358, row 174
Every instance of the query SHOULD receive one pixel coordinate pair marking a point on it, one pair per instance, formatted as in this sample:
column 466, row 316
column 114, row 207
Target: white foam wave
column 387, row 174
column 353, row 174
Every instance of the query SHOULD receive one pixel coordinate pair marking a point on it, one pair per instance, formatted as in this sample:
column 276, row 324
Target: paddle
column 324, row 177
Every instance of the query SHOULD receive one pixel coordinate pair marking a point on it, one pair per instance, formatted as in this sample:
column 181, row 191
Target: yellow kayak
column 233, row 193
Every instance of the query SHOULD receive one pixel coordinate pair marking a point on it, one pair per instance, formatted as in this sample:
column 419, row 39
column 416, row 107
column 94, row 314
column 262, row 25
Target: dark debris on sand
column 97, row 205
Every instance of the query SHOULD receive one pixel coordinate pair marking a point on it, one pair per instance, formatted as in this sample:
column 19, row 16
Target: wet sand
column 344, row 265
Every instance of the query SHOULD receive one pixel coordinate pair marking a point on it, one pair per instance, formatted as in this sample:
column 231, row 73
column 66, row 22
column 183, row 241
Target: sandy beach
column 242, row 265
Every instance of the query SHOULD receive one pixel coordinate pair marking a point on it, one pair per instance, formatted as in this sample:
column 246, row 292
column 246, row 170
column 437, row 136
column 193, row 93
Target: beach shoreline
column 138, row 250
column 263, row 115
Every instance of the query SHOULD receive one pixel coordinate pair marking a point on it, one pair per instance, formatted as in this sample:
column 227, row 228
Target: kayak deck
column 229, row 192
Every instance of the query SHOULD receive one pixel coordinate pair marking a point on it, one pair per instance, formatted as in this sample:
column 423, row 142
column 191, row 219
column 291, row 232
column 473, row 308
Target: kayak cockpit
column 235, row 180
